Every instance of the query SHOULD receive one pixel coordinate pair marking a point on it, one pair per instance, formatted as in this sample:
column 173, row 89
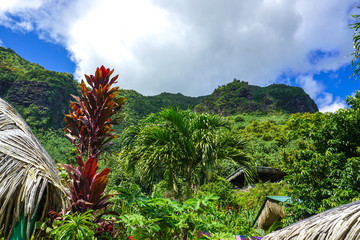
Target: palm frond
column 27, row 172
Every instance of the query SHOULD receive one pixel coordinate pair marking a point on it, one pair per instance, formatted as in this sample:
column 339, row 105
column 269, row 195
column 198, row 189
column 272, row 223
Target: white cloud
column 192, row 46
column 310, row 86
column 316, row 90
column 1, row 43
column 328, row 104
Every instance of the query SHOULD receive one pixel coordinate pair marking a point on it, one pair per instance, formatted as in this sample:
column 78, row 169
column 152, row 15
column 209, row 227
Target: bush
column 220, row 187
column 255, row 196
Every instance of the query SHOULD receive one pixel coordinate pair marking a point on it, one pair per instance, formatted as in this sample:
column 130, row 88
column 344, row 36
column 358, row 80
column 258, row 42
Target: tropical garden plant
column 89, row 127
column 91, row 118
column 78, row 226
column 162, row 218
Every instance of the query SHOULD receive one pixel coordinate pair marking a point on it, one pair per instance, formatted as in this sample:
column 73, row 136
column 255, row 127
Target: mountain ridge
column 42, row 96
column 239, row 96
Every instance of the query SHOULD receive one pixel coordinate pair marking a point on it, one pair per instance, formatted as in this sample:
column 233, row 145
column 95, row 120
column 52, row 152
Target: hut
column 271, row 211
column 340, row 223
column 28, row 177
column 263, row 174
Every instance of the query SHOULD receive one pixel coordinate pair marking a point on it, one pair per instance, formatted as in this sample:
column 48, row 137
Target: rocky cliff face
column 239, row 96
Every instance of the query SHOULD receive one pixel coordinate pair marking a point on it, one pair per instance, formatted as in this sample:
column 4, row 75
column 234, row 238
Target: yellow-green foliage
column 253, row 197
column 243, row 119
column 267, row 139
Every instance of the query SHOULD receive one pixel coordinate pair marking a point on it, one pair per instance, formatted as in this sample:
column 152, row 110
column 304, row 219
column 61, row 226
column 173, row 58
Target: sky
column 191, row 47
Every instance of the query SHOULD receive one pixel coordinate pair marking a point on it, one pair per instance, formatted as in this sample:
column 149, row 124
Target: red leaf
column 104, row 172
column 90, row 169
column 80, row 161
column 97, row 188
column 104, row 71
column 89, row 80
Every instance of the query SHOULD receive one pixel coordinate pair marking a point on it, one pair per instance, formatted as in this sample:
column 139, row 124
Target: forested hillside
column 239, row 96
column 42, row 96
column 138, row 106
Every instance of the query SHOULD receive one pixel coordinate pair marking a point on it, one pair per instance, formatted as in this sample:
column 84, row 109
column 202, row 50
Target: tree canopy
column 182, row 146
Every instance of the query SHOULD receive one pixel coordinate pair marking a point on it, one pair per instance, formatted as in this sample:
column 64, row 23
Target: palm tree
column 181, row 144
column 28, row 175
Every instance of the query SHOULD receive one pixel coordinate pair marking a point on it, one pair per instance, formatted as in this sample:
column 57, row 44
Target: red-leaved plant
column 87, row 187
column 89, row 127
column 90, row 120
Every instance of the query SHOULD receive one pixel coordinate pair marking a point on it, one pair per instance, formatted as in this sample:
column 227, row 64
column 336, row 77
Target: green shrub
column 220, row 187
column 255, row 196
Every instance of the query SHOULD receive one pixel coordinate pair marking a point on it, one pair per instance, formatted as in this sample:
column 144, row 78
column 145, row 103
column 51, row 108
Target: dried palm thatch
column 27, row 173
column 340, row 223
column 270, row 212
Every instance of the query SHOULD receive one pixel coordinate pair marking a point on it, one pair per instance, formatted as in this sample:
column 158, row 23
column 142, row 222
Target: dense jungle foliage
column 168, row 165
column 319, row 153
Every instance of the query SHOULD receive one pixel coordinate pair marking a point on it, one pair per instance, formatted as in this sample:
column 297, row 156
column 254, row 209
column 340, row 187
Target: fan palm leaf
column 27, row 173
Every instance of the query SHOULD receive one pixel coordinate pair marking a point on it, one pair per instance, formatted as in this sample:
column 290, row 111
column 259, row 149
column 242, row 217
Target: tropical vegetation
column 135, row 167
column 182, row 147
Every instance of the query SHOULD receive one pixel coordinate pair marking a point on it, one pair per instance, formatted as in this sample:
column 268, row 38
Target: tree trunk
column 188, row 188
column 184, row 233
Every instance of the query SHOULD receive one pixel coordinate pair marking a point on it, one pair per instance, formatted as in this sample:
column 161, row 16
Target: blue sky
column 189, row 46
column 28, row 45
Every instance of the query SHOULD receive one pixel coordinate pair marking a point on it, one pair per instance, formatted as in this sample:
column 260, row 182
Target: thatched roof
column 340, row 223
column 271, row 211
column 263, row 174
column 27, row 173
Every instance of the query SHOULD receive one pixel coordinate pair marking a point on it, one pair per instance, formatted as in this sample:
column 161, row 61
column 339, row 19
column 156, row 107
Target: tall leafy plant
column 89, row 127
column 356, row 43
column 90, row 120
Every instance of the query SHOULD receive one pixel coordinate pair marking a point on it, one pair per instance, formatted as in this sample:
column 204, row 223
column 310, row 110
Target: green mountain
column 138, row 106
column 42, row 97
column 239, row 96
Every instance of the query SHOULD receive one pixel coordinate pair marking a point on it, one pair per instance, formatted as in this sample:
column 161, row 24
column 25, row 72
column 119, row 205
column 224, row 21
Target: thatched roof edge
column 340, row 223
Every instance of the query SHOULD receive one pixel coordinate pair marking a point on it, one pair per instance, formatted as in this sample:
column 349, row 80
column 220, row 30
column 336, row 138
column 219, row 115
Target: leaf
column 90, row 169
column 98, row 187
column 80, row 161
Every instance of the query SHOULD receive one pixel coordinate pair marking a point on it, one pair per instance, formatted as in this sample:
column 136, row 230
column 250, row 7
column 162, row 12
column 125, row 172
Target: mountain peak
column 238, row 96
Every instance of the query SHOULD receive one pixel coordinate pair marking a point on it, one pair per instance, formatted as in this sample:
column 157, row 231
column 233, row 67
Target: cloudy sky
column 191, row 46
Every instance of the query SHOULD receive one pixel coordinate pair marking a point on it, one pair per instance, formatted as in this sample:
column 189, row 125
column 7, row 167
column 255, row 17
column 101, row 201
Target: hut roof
column 27, row 173
column 340, row 223
column 280, row 198
column 271, row 211
column 264, row 174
